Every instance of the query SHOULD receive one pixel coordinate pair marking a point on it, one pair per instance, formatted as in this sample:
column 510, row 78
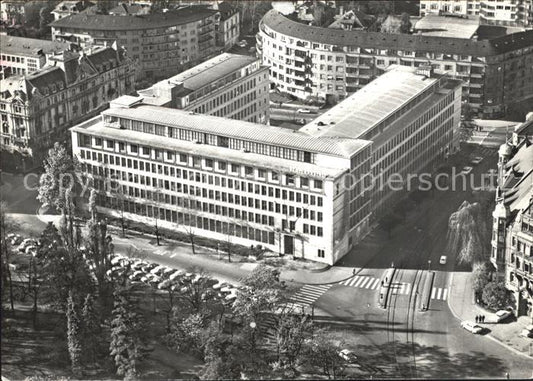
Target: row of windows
column 160, row 185
column 210, row 139
column 205, row 164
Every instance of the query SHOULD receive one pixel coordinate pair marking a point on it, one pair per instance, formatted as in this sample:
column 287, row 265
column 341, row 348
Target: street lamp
column 429, row 264
column 253, row 326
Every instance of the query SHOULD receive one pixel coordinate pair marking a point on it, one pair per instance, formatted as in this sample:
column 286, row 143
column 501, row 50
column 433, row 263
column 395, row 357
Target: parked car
column 466, row 170
column 303, row 111
column 527, row 331
column 25, row 243
column 476, row 160
column 502, row 315
column 242, row 43
column 348, row 355
column 442, row 260
column 472, row 327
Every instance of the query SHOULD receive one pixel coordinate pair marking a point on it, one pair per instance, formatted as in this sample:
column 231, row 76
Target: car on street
column 27, row 242
column 243, row 43
column 466, row 170
column 503, row 315
column 442, row 260
column 527, row 331
column 476, row 160
column 303, row 111
column 348, row 355
column 472, row 327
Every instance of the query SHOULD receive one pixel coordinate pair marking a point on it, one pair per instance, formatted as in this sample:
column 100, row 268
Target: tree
column 186, row 333
column 91, row 327
column 92, row 204
column 495, row 296
column 60, row 174
column 321, row 352
column 198, row 292
column 127, row 347
column 74, row 336
column 291, row 332
column 466, row 232
column 481, row 276
column 264, row 277
column 5, row 253
column 405, row 24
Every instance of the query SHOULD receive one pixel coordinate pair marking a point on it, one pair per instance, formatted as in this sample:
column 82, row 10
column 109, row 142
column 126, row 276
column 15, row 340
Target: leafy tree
column 187, row 333
column 264, row 277
column 291, row 332
column 199, row 292
column 495, row 296
column 323, row 15
column 60, row 173
column 127, row 347
column 321, row 352
column 481, row 276
column 74, row 336
column 466, row 233
column 98, row 253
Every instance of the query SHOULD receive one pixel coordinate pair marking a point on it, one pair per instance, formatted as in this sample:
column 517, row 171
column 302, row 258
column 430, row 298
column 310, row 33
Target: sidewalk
column 463, row 307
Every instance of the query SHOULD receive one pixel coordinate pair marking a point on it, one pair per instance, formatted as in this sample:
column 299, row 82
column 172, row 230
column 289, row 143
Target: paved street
column 396, row 340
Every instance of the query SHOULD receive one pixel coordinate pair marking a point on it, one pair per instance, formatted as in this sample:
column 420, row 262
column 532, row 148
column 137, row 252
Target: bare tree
column 5, row 252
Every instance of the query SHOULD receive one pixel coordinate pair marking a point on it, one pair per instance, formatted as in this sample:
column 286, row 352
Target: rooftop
column 364, row 39
column 30, row 46
column 96, row 127
column 446, row 26
column 203, row 74
column 181, row 16
column 259, row 133
column 358, row 113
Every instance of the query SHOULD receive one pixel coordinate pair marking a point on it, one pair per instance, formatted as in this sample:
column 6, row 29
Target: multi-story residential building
column 512, row 233
column 516, row 13
column 459, row 7
column 21, row 56
column 228, row 27
column 310, row 61
column 411, row 116
column 37, row 109
column 228, row 85
column 235, row 181
column 72, row 7
column 161, row 44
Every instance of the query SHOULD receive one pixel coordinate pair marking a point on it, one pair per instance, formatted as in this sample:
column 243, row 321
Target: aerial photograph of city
column 245, row 190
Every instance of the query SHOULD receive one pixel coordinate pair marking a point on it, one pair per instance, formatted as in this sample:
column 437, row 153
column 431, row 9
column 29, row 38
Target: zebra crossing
column 439, row 293
column 361, row 281
column 400, row 288
column 484, row 151
column 309, row 293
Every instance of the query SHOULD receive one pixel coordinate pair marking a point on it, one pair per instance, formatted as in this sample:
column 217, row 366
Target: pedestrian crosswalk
column 400, row 288
column 439, row 293
column 488, row 152
column 361, row 281
column 309, row 293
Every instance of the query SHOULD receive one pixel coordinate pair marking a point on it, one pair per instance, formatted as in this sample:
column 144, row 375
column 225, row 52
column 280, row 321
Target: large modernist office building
column 410, row 115
column 295, row 192
column 228, row 85
column 311, row 61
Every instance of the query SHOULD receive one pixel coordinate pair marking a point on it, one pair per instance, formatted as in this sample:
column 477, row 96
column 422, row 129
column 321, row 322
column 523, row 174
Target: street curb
column 488, row 335
column 334, row 282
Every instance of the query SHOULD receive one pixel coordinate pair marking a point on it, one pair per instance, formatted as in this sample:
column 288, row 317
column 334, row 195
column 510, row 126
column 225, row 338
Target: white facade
column 461, row 7
column 248, row 183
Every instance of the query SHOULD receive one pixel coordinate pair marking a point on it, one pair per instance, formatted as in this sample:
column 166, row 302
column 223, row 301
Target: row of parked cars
column 165, row 278
column 23, row 245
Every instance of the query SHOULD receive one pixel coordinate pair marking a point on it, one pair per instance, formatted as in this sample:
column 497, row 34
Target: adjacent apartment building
column 21, row 56
column 305, row 193
column 235, row 181
column 515, row 13
column 328, row 63
column 161, row 44
column 227, row 27
column 36, row 109
column 228, row 85
column 411, row 116
column 512, row 235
